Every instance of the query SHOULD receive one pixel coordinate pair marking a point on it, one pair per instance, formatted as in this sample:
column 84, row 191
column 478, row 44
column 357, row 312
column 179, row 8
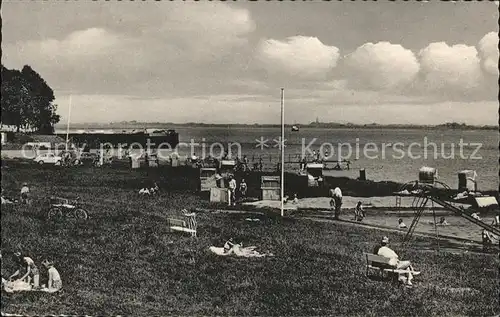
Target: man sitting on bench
column 387, row 252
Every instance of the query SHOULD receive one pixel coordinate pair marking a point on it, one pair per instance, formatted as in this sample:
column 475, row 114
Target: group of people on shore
column 29, row 274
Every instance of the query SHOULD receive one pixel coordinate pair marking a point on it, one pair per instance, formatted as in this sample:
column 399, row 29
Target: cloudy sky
column 224, row 62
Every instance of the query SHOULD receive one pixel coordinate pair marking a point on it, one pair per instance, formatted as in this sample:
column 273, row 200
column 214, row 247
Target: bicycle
column 62, row 207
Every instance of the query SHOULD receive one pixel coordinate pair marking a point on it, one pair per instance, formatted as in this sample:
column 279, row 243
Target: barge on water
column 94, row 138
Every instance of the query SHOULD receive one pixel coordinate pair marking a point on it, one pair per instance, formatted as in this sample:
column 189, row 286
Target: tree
column 15, row 99
column 27, row 100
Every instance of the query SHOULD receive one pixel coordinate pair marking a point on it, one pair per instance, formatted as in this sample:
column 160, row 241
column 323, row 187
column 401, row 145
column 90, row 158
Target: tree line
column 27, row 101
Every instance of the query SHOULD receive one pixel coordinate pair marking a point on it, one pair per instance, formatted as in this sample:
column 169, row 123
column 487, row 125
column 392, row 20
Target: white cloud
column 380, row 66
column 168, row 45
column 77, row 47
column 298, row 56
column 450, row 69
column 488, row 51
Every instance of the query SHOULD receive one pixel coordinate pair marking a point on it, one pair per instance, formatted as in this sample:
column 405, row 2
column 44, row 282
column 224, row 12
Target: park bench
column 187, row 224
column 381, row 264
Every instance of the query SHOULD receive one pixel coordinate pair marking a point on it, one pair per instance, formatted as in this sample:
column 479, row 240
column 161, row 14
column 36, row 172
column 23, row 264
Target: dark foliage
column 27, row 101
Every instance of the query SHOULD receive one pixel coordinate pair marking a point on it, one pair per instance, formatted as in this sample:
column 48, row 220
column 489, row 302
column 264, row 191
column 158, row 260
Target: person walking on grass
column 54, row 283
column 32, row 273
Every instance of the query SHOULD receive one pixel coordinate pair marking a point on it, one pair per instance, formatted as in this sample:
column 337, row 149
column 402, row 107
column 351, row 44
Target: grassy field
column 123, row 260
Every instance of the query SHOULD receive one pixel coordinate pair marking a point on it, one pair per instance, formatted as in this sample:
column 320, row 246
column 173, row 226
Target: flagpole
column 67, row 127
column 282, row 150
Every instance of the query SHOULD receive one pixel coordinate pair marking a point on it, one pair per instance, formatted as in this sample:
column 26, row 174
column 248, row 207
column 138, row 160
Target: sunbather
column 285, row 199
column 442, row 222
column 237, row 249
column 55, row 283
column 144, row 191
column 228, row 246
column 387, row 252
column 401, row 224
column 6, row 201
column 475, row 215
column 155, row 189
column 31, row 270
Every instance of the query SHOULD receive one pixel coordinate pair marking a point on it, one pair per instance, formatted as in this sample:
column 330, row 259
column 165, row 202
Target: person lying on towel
column 387, row 252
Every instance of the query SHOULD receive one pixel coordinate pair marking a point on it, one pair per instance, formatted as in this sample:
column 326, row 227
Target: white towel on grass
column 17, row 286
column 237, row 250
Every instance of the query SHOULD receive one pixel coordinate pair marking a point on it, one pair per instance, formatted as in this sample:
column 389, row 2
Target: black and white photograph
column 250, row 158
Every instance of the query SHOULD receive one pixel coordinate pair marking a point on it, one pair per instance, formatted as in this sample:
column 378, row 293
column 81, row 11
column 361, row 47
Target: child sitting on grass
column 359, row 212
column 55, row 283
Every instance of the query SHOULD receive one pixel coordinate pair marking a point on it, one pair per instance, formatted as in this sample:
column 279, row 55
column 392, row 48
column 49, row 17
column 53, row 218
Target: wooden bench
column 188, row 224
column 381, row 264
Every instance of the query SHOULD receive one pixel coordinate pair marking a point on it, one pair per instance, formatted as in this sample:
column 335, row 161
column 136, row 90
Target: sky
column 225, row 62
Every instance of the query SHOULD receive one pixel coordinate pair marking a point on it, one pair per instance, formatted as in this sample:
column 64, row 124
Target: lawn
column 123, row 260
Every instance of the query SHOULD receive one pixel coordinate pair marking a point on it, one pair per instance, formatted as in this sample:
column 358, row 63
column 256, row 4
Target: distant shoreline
column 319, row 125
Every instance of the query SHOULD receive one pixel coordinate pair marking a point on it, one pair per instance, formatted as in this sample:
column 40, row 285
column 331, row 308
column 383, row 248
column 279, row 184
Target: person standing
column 243, row 189
column 245, row 163
column 337, row 199
column 25, row 191
column 303, row 163
column 232, row 190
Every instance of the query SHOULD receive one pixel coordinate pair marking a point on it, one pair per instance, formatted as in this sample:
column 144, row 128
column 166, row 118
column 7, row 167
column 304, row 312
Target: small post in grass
column 67, row 126
column 282, row 147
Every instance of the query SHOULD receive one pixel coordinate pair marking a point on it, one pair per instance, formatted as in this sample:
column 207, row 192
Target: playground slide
column 458, row 211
